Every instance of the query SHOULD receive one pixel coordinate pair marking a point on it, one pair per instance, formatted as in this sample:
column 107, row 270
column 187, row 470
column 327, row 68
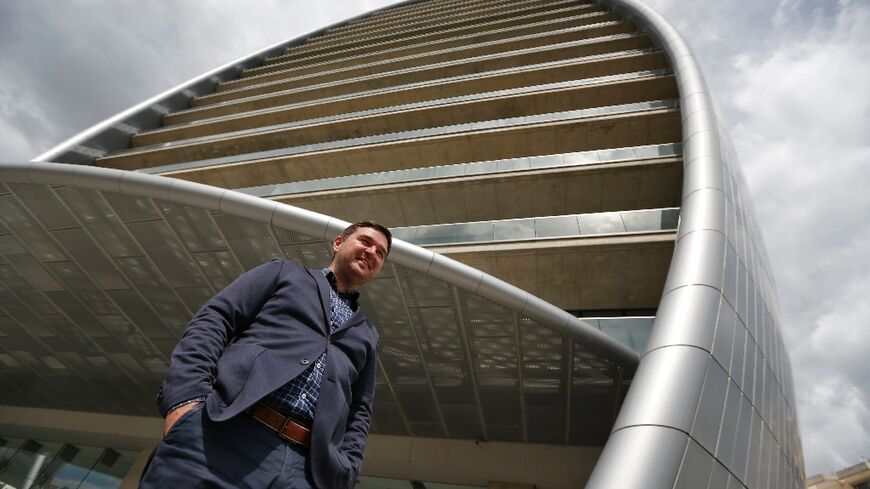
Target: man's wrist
column 188, row 401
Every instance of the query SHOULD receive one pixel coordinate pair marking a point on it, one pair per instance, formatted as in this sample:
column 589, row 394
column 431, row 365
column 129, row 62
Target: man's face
column 359, row 257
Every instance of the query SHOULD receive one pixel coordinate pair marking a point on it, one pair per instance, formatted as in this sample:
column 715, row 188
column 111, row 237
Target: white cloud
column 80, row 62
column 802, row 129
column 804, row 140
column 20, row 112
column 791, row 80
column 840, row 423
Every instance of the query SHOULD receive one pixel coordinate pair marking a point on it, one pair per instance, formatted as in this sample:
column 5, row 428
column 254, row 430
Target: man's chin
column 359, row 271
column 364, row 273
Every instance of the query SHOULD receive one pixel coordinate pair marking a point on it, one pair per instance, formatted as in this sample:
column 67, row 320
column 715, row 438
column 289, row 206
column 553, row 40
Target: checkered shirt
column 298, row 398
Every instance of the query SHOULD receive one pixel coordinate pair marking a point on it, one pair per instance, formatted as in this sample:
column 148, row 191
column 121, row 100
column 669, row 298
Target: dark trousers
column 237, row 453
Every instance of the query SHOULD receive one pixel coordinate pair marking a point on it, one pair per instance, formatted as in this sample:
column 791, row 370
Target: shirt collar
column 348, row 296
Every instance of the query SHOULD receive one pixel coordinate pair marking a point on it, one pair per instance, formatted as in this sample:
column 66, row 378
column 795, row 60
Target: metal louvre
column 99, row 317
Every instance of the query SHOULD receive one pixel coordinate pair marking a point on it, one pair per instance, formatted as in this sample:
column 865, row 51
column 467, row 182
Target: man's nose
column 372, row 250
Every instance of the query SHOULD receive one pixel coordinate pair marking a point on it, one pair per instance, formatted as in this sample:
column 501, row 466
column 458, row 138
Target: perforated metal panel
column 101, row 316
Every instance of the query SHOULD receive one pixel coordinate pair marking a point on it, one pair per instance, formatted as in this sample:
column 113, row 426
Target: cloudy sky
column 791, row 78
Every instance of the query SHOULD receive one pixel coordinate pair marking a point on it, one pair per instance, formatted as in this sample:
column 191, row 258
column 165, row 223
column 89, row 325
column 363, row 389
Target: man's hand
column 173, row 416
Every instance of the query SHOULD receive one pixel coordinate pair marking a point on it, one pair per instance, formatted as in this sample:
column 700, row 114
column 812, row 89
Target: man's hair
column 369, row 224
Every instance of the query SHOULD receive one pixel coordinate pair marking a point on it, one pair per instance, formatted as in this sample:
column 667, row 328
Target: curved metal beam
column 323, row 227
column 655, row 442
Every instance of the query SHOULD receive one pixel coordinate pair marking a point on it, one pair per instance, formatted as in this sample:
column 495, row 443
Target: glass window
column 379, row 178
column 617, row 154
column 29, row 458
column 481, row 167
column 405, row 234
column 434, row 234
column 513, row 164
column 516, row 229
column 632, row 332
column 594, row 323
column 42, row 465
column 546, row 161
column 475, row 168
column 673, row 149
column 603, row 223
column 262, row 190
column 308, row 185
column 670, row 218
column 642, row 221
column 592, row 111
column 109, row 469
column 548, row 227
column 448, row 171
column 585, row 157
column 476, row 231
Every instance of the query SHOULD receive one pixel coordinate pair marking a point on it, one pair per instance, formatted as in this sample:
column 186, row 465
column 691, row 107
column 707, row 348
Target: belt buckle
column 283, row 436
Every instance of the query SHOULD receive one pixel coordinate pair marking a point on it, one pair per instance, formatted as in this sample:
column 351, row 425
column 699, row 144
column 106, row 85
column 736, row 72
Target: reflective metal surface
column 749, row 426
column 675, row 372
column 655, row 451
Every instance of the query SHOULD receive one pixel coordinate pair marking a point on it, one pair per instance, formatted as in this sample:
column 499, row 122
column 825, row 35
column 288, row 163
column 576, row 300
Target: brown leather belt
column 287, row 428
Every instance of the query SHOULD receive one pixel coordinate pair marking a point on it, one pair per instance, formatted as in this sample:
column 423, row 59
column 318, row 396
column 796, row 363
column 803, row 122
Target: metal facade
column 713, row 403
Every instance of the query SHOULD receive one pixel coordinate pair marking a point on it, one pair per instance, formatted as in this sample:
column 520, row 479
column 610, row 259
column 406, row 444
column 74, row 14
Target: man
column 271, row 384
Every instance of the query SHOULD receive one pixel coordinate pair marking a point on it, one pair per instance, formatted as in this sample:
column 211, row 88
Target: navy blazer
column 260, row 332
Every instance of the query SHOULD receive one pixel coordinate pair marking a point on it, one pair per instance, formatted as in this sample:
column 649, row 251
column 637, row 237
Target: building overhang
column 102, row 268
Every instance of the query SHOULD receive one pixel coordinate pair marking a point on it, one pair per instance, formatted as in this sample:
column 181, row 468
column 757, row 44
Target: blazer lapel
column 323, row 293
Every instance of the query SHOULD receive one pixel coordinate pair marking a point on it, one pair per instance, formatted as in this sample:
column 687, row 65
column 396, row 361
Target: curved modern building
column 580, row 297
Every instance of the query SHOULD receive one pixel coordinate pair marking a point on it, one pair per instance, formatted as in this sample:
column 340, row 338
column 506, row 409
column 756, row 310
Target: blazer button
column 304, row 361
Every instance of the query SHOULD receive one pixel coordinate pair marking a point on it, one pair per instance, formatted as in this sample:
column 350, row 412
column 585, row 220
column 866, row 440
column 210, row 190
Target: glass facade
column 575, row 226
column 469, row 169
column 419, row 133
column 32, row 464
column 628, row 330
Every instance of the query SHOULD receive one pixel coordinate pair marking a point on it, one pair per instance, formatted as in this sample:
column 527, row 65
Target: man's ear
column 336, row 243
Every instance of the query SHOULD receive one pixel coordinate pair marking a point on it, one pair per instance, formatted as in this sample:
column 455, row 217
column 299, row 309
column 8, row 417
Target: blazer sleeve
column 360, row 415
column 193, row 364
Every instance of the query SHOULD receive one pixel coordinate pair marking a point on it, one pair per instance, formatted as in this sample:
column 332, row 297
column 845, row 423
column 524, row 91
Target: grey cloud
column 791, row 81
column 68, row 65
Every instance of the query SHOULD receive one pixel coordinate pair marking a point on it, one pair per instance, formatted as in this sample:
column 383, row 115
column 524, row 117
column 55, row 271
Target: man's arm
column 360, row 416
column 193, row 365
